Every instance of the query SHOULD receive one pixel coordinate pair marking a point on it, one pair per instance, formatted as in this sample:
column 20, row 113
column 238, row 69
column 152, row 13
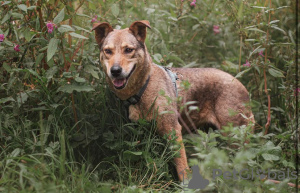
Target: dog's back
column 220, row 97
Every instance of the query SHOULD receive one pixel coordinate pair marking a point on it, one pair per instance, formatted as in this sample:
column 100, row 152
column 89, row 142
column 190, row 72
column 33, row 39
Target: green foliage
column 62, row 130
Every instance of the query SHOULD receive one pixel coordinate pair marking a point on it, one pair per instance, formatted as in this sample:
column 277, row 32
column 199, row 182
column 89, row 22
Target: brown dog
column 133, row 76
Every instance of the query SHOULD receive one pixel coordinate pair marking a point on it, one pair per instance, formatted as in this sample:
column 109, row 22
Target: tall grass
column 62, row 130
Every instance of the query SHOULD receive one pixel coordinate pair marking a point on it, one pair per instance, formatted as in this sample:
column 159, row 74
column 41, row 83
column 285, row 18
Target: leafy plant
column 62, row 130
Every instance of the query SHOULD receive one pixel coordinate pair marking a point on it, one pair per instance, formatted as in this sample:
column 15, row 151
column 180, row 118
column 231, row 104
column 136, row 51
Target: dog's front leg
column 181, row 162
column 165, row 126
column 166, row 123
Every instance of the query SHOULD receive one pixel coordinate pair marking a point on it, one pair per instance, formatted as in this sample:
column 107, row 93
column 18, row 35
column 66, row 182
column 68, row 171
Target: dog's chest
column 139, row 111
column 134, row 112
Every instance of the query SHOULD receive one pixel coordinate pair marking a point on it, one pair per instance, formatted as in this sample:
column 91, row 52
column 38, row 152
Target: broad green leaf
column 257, row 69
column 250, row 40
column 191, row 65
column 240, row 74
column 157, row 57
column 259, row 7
column 5, row 3
column 22, row 98
column 279, row 29
column 29, row 35
column 175, row 57
column 43, row 49
column 50, row 62
column 92, row 70
column 277, row 109
column 115, row 10
column 52, row 47
column 173, row 18
column 255, row 29
column 75, row 35
column 15, row 152
column 288, row 164
column 195, row 26
column 6, row 17
column 231, row 65
column 51, row 72
column 65, row 28
column 291, row 36
column 109, row 136
column 16, row 34
column 31, row 8
column 270, row 157
column 39, row 59
column 69, row 88
column 23, row 7
column 7, row 99
column 60, row 17
column 254, row 51
column 275, row 73
column 17, row 15
column 131, row 155
column 268, row 145
column 82, row 15
column 79, row 79
column 67, row 74
column 274, row 21
column 6, row 67
column 27, row 70
column 149, row 10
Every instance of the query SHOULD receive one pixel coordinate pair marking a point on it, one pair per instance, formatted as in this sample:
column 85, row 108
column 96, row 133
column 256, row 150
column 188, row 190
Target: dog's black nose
column 116, row 71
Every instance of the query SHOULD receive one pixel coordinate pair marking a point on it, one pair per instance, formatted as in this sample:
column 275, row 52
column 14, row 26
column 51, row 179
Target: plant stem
column 39, row 10
column 265, row 76
column 240, row 58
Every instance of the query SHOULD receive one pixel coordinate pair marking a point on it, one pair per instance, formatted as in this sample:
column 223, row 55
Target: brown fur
column 215, row 91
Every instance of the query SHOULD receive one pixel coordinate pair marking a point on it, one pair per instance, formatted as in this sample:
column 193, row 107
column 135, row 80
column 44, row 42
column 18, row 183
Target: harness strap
column 173, row 77
column 136, row 98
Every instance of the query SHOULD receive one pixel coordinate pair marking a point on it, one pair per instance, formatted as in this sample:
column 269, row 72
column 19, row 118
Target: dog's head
column 122, row 52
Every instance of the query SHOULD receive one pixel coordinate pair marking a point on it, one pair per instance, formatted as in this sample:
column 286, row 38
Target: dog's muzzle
column 118, row 80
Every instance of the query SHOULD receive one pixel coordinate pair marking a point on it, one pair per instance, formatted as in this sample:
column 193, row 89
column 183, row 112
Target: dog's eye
column 108, row 51
column 128, row 50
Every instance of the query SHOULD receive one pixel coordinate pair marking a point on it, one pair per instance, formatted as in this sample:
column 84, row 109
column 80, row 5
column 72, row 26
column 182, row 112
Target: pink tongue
column 119, row 82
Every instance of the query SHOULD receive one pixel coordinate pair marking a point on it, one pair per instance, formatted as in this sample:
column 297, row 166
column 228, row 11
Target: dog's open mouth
column 120, row 83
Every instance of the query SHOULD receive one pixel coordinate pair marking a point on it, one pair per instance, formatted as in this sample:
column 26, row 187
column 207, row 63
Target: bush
column 63, row 130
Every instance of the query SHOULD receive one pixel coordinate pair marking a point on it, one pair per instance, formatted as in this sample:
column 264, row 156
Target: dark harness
column 136, row 98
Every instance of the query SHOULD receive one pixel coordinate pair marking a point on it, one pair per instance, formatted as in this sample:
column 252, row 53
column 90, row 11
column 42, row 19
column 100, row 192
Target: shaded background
column 62, row 129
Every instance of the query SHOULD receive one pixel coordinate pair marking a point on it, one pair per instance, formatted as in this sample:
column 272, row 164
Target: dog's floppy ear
column 101, row 31
column 139, row 29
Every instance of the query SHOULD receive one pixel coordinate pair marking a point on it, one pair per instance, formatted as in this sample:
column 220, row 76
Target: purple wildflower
column 216, row 29
column 193, row 4
column 50, row 26
column 17, row 48
column 261, row 53
column 2, row 37
column 94, row 19
column 247, row 64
